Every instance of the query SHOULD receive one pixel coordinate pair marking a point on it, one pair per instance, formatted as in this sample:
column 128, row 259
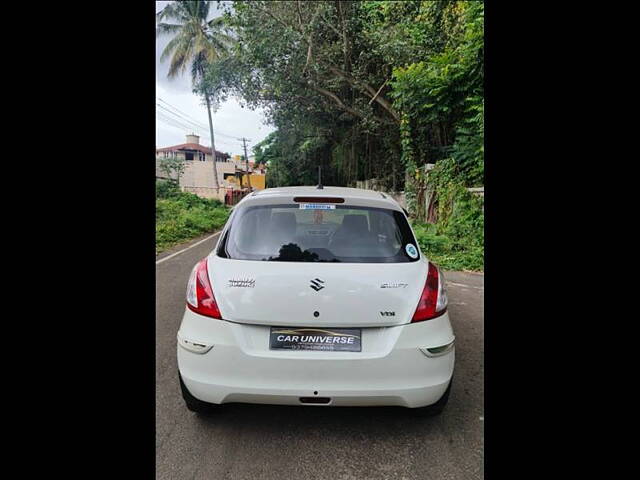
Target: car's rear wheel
column 194, row 404
column 436, row 408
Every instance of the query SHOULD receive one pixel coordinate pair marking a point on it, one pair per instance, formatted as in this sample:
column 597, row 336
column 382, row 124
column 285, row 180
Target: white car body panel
column 354, row 294
column 389, row 370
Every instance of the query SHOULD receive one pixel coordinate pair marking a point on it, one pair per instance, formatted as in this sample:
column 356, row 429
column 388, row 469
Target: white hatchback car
column 316, row 297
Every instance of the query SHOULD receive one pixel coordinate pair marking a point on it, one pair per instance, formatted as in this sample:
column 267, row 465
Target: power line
column 181, row 114
column 188, row 117
column 180, row 124
column 178, row 110
column 176, row 121
column 172, row 123
column 182, row 121
column 176, row 124
column 166, row 110
column 203, row 131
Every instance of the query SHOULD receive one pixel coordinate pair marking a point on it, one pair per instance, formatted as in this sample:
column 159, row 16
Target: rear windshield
column 324, row 233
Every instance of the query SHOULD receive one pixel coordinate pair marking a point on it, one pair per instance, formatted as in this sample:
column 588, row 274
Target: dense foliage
column 368, row 90
column 181, row 216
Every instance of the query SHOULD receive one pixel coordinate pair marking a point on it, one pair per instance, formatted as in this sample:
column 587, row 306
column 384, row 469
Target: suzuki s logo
column 316, row 284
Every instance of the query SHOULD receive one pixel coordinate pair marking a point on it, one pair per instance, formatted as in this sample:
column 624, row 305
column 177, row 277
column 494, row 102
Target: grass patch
column 446, row 252
column 182, row 216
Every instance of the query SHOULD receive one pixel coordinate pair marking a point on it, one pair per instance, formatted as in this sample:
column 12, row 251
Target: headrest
column 283, row 222
column 355, row 224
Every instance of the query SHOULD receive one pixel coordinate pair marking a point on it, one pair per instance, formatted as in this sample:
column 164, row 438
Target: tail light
column 200, row 297
column 433, row 301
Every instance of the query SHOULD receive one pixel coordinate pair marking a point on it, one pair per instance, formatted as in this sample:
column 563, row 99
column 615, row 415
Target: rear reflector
column 194, row 347
column 437, row 351
column 318, row 199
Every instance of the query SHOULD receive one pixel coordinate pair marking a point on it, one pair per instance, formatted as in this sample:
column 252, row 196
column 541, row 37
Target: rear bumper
column 391, row 370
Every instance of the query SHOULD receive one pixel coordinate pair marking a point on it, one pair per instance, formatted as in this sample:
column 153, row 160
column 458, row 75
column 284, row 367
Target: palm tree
column 196, row 42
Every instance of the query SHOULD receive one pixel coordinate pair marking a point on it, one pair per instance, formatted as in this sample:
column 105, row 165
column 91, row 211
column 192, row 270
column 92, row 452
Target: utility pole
column 216, row 184
column 246, row 160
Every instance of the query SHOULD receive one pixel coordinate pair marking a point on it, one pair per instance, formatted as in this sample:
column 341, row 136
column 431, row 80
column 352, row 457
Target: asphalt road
column 276, row 442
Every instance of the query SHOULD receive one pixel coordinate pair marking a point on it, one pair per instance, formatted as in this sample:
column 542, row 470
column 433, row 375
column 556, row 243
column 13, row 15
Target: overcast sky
column 231, row 120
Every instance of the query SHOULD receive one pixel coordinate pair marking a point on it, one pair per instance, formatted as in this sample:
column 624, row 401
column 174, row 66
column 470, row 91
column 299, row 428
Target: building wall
column 258, row 181
column 196, row 156
column 200, row 174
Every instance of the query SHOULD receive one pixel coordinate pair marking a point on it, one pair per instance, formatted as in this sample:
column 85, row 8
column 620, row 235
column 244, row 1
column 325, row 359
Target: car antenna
column 319, row 187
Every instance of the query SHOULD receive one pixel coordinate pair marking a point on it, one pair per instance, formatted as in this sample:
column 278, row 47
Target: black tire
column 193, row 404
column 436, row 408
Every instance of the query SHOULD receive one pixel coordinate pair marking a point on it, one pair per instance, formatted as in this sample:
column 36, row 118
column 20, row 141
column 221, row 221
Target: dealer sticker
column 317, row 206
column 322, row 339
column 411, row 250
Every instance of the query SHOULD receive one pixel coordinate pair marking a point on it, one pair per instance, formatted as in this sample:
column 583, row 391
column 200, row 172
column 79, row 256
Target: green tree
column 197, row 42
column 309, row 66
column 172, row 167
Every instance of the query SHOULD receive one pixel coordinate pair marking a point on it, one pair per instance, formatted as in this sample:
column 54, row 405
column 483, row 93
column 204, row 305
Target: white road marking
column 463, row 285
column 185, row 249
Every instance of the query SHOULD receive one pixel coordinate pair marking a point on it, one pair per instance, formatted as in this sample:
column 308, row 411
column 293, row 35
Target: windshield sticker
column 411, row 250
column 317, row 206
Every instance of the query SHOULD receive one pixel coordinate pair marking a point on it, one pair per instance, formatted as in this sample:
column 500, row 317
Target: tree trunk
column 216, row 185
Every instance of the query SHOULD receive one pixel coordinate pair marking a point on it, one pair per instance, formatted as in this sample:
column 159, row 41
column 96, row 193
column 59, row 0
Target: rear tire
column 436, row 408
column 194, row 404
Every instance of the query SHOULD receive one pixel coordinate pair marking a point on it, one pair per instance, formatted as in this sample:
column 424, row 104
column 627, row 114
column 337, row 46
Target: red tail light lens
column 433, row 301
column 200, row 297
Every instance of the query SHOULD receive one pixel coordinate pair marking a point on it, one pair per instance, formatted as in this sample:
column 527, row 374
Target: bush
column 181, row 216
column 447, row 252
column 166, row 189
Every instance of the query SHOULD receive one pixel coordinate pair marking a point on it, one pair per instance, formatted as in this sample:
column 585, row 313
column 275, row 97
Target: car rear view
column 316, row 297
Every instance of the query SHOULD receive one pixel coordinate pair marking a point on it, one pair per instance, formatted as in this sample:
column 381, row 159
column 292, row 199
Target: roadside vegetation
column 454, row 236
column 447, row 252
column 182, row 216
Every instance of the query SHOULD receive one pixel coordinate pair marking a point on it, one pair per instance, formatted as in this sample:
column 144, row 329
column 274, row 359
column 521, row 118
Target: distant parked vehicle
column 316, row 297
